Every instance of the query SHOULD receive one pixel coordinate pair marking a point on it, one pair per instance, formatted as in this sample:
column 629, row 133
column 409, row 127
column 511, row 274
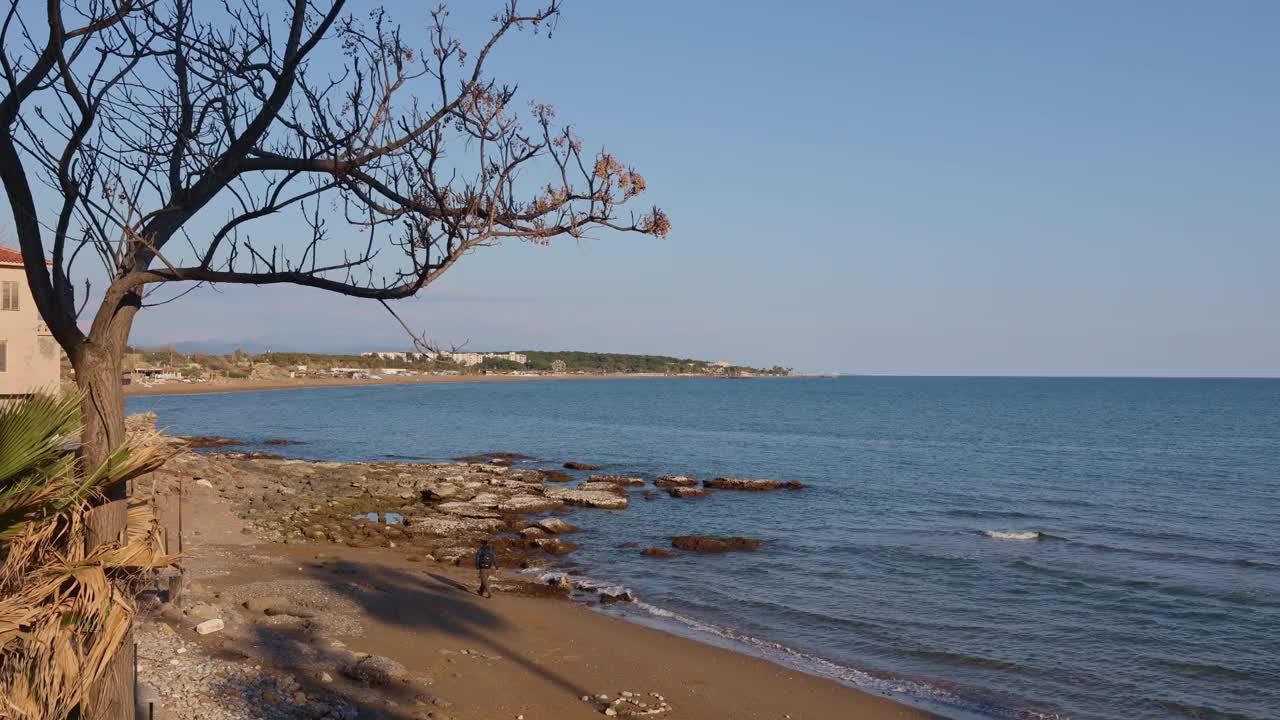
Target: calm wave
column 993, row 547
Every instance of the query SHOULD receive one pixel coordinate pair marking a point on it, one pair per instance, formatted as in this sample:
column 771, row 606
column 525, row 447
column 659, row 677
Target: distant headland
column 166, row 370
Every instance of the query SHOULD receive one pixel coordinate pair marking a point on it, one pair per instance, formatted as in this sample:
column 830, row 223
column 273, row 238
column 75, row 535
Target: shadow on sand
column 401, row 600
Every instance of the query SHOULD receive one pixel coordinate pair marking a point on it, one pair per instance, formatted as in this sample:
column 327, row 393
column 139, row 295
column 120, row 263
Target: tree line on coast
column 239, row 363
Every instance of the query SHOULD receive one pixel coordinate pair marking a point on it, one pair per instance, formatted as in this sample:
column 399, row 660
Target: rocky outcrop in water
column 556, row 526
column 554, row 546
column 670, row 481
column 604, row 499
column 688, row 492
column 490, row 457
column 581, row 466
column 196, row 442
column 596, row 486
column 705, row 544
column 730, row 483
column 657, row 552
column 620, row 480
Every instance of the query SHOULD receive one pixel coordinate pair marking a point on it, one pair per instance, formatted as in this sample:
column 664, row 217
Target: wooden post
column 176, row 585
column 112, row 698
column 181, row 488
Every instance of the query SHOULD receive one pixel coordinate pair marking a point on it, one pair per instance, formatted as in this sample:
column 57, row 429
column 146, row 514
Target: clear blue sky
column 913, row 187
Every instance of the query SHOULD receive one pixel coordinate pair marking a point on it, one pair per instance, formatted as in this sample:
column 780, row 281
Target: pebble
column 210, row 626
column 192, row 686
column 629, row 704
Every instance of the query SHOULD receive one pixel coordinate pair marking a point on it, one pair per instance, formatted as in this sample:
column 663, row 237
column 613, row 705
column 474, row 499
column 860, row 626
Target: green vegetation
column 591, row 362
column 501, row 365
column 240, row 364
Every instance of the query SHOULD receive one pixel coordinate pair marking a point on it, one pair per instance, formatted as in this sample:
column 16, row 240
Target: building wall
column 31, row 355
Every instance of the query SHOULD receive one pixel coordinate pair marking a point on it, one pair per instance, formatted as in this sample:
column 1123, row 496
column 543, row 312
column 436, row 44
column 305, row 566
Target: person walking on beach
column 486, row 564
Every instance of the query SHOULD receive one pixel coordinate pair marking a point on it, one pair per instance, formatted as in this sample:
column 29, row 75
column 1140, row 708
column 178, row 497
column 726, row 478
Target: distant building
column 514, row 357
column 397, row 355
column 144, row 374
column 466, row 359
column 721, row 364
column 349, row 372
column 30, row 359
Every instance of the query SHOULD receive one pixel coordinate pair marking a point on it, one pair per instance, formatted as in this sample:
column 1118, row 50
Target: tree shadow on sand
column 399, row 599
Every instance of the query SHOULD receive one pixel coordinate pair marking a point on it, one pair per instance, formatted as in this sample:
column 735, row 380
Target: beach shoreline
column 539, row 653
column 247, row 385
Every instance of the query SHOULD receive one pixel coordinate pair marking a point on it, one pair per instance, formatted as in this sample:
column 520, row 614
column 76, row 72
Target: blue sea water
column 989, row 547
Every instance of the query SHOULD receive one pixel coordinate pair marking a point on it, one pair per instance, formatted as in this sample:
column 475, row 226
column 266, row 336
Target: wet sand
column 555, row 651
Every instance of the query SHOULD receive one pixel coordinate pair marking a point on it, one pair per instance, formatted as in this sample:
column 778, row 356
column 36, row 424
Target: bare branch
column 210, row 122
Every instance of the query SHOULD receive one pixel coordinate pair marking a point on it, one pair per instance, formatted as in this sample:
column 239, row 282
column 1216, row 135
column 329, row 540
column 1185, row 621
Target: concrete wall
column 32, row 356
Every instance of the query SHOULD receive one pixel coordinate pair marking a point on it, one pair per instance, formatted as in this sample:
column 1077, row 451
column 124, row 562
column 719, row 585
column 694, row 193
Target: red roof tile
column 13, row 257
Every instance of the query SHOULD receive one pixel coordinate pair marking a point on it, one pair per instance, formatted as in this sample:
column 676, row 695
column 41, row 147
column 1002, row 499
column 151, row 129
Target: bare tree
column 166, row 131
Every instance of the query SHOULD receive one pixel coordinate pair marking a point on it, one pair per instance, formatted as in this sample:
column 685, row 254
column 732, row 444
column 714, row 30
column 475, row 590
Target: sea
column 1027, row 548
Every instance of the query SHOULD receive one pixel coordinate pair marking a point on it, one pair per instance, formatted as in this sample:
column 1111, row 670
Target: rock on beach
column 210, row 626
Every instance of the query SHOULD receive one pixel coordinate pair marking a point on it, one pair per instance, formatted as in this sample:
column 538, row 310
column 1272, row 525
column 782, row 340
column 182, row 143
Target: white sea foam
column 1003, row 535
column 586, row 588
column 802, row 661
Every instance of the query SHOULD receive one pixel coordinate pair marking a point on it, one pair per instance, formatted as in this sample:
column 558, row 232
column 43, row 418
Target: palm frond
column 64, row 612
column 33, row 432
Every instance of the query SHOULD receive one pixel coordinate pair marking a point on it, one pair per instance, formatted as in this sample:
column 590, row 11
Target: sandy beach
column 525, row 653
column 226, row 386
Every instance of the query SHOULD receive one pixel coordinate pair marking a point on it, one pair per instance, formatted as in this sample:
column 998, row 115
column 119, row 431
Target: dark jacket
column 486, row 558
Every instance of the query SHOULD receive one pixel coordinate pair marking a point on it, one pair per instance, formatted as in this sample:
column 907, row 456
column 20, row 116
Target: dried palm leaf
column 63, row 612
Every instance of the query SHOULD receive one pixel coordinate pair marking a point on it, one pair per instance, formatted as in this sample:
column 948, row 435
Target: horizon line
column 1062, row 376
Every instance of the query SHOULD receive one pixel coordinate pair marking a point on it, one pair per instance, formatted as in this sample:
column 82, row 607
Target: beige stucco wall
column 32, row 355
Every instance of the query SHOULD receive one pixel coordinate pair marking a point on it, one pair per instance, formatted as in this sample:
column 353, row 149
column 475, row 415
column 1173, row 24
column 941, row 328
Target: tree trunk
column 112, row 696
column 97, row 362
column 102, row 407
